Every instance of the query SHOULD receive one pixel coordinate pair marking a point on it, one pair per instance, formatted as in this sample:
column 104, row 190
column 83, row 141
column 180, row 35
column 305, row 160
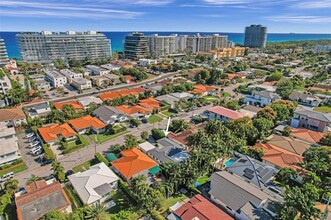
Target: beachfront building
column 3, row 52
column 255, row 36
column 135, row 46
column 47, row 46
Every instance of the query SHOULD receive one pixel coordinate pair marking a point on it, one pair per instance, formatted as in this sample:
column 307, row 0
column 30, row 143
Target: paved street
column 87, row 153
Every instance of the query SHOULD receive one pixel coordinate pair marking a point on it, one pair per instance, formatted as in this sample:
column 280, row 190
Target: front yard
column 73, row 146
column 100, row 138
column 154, row 119
column 167, row 113
column 14, row 168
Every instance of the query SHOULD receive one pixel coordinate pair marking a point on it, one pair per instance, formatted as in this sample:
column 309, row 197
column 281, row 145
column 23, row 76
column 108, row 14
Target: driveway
column 23, row 144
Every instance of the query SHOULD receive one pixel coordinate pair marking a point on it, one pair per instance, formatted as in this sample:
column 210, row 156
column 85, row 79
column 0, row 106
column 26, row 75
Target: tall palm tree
column 96, row 212
column 33, row 178
column 11, row 186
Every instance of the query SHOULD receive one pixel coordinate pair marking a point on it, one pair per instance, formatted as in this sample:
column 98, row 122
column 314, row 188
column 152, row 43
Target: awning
column 111, row 157
column 154, row 170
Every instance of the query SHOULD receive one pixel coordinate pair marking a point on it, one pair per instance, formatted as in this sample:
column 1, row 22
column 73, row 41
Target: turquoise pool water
column 230, row 162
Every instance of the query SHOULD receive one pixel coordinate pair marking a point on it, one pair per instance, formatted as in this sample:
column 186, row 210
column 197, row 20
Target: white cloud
column 138, row 2
column 21, row 8
column 227, row 2
column 300, row 19
column 316, row 4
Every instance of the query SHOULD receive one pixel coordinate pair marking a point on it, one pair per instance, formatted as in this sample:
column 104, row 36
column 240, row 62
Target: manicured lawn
column 167, row 113
column 203, row 179
column 73, row 146
column 210, row 98
column 172, row 201
column 154, row 119
column 225, row 94
column 84, row 166
column 15, row 168
column 105, row 137
column 324, row 109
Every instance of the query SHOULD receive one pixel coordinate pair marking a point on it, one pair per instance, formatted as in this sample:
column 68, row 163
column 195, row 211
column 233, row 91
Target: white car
column 32, row 139
column 7, row 176
column 30, row 135
column 34, row 144
column 35, row 149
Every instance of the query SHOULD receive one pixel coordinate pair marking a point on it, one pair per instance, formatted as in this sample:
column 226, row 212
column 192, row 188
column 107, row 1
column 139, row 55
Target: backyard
column 324, row 109
column 154, row 119
column 172, row 201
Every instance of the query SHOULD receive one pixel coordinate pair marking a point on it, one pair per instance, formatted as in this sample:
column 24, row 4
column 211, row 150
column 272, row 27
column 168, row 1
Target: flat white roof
column 146, row 146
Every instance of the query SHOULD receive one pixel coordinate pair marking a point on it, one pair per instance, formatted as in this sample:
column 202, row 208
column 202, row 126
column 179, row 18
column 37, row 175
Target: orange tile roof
column 280, row 157
column 51, row 132
column 11, row 114
column 308, row 135
column 75, row 104
column 150, row 103
column 86, row 122
column 202, row 88
column 128, row 77
column 181, row 137
column 36, row 191
column 133, row 162
column 109, row 96
column 232, row 75
column 130, row 110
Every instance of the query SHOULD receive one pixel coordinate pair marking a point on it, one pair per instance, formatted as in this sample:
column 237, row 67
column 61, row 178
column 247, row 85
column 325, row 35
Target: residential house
column 305, row 98
column 198, row 208
column 134, row 163
column 135, row 111
column 109, row 114
column 204, row 90
column 106, row 80
column 289, row 144
column 88, row 123
column 146, row 62
column 279, row 157
column 222, row 113
column 155, row 88
column 303, row 134
column 97, row 70
column 109, row 96
column 261, row 98
column 86, row 101
column 253, row 171
column 262, row 87
column 9, row 151
column 12, row 117
column 39, row 110
column 171, row 100
column 71, row 75
column 181, row 138
column 55, row 78
column 150, row 104
column 182, row 95
column 120, row 93
column 94, row 186
column 39, row 198
column 73, row 103
column 168, row 151
column 250, row 110
column 52, row 133
column 316, row 121
column 241, row 199
column 110, row 67
column 81, row 84
column 129, row 79
column 37, row 77
column 42, row 85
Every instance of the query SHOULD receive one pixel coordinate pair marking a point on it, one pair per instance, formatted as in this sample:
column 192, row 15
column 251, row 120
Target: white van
column 7, row 176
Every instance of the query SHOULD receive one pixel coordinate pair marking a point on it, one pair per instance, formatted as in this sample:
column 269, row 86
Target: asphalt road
column 87, row 153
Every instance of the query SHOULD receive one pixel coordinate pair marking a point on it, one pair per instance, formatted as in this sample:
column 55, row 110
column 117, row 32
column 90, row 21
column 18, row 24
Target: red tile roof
column 11, row 114
column 219, row 110
column 130, row 110
column 87, row 122
column 199, row 88
column 150, row 103
column 51, row 132
column 121, row 93
column 181, row 137
column 280, row 157
column 133, row 162
column 36, row 191
column 305, row 134
column 200, row 208
column 75, row 104
column 109, row 96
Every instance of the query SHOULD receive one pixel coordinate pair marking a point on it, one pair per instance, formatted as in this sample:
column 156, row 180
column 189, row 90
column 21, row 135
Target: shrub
column 49, row 154
column 101, row 158
column 157, row 133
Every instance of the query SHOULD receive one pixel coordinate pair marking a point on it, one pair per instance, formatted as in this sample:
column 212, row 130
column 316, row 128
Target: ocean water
column 117, row 38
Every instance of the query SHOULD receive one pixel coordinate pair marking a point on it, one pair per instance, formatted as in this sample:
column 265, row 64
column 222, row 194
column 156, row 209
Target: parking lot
column 28, row 158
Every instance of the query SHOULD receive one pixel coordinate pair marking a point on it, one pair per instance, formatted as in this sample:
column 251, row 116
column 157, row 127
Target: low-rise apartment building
column 71, row 75
column 9, row 151
column 146, row 62
column 261, row 98
column 55, row 78
column 97, row 70
column 111, row 67
column 81, row 84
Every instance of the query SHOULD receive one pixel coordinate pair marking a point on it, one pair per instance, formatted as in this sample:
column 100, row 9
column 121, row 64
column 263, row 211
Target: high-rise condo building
column 48, row 46
column 172, row 44
column 255, row 36
column 135, row 46
column 3, row 52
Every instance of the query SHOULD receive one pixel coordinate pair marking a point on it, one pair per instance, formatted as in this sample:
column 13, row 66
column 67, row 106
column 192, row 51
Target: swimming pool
column 230, row 162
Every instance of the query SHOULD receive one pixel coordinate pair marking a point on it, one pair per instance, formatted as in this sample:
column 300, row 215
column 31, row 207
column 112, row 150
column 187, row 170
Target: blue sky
column 281, row 16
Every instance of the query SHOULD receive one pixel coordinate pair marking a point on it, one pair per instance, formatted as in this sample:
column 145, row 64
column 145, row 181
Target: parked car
column 69, row 172
column 30, row 135
column 34, row 144
column 46, row 162
column 6, row 177
column 32, row 139
column 38, row 152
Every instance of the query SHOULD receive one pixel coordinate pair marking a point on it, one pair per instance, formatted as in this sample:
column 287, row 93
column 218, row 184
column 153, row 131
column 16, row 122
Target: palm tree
column 11, row 186
column 33, row 178
column 96, row 212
